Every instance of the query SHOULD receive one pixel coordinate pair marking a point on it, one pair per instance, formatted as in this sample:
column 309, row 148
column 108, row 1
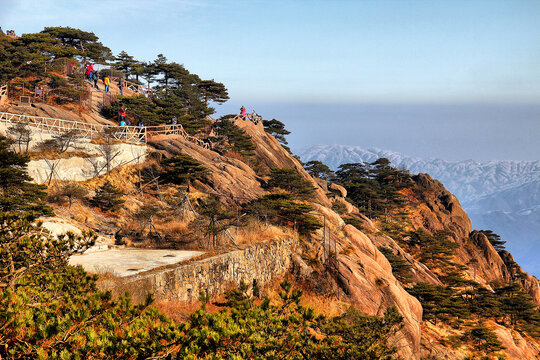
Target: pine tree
column 85, row 43
column 108, row 197
column 285, row 210
column 17, row 193
column 182, row 169
column 124, row 62
column 73, row 191
column 318, row 169
column 213, row 91
column 494, row 239
column 235, row 137
column 277, row 129
column 290, row 180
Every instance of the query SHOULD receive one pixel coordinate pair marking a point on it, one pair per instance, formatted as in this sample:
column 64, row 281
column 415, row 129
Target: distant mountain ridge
column 502, row 195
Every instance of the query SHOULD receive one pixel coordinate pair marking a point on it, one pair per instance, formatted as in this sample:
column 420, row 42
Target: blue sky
column 282, row 56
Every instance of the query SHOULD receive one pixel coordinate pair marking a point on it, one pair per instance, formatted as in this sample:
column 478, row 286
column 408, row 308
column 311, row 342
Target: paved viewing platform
column 125, row 262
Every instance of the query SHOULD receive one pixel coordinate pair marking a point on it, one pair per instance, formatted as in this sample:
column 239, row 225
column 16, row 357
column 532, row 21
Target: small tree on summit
column 124, row 62
column 494, row 239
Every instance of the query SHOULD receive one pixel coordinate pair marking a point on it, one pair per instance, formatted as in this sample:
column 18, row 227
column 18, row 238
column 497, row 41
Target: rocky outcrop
column 516, row 347
column 484, row 260
column 367, row 280
column 439, row 209
column 56, row 112
column 338, row 190
column 227, row 176
column 529, row 282
column 270, row 155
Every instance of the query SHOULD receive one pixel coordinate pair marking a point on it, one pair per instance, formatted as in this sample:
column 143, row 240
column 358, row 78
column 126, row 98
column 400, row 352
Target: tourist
column 174, row 121
column 123, row 127
column 141, row 129
column 121, row 86
column 88, row 71
column 122, row 115
column 96, row 78
column 107, row 82
column 243, row 111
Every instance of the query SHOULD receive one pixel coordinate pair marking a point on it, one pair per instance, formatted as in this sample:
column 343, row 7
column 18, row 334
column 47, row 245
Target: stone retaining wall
column 258, row 263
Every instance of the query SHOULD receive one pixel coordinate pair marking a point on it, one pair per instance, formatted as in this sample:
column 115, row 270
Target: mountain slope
column 500, row 195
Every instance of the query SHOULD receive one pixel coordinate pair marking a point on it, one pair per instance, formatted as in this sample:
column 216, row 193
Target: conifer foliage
column 17, row 193
column 182, row 169
column 289, row 180
column 108, row 197
column 373, row 187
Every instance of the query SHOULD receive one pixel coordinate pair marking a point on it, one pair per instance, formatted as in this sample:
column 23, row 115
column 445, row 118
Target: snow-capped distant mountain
column 502, row 195
column 468, row 180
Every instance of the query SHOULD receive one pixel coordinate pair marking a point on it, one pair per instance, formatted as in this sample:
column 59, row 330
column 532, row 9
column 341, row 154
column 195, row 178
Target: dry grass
column 327, row 304
column 54, row 155
column 257, row 232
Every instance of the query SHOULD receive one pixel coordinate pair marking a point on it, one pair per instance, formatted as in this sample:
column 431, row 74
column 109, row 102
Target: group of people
column 10, row 33
column 93, row 76
column 123, row 121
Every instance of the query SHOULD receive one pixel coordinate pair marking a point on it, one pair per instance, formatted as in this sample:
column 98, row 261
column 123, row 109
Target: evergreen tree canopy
column 86, row 43
column 182, row 169
column 277, row 129
column 235, row 138
column 17, row 193
column 125, row 63
column 213, row 91
column 108, row 197
column 285, row 209
column 494, row 239
column 318, row 169
column 373, row 187
column 290, row 180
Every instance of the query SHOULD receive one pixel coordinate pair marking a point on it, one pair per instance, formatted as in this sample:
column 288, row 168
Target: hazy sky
column 385, row 70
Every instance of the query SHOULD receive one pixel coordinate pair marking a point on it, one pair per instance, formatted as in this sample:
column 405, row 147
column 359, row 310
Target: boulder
column 338, row 190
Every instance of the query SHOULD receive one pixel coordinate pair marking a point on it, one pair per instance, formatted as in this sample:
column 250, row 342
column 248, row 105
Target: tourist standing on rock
column 107, row 82
column 243, row 111
column 96, row 78
column 174, row 121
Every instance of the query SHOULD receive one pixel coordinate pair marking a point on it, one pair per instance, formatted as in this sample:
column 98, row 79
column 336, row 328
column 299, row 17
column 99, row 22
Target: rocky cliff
column 361, row 274
column 348, row 255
